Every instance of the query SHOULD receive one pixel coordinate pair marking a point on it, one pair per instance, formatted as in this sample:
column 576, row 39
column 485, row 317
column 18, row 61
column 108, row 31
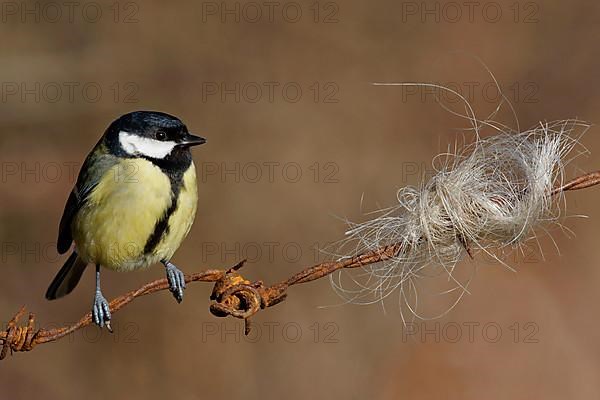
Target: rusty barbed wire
column 22, row 338
column 232, row 295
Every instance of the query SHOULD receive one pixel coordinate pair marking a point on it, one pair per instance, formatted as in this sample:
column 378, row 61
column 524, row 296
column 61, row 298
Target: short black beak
column 192, row 140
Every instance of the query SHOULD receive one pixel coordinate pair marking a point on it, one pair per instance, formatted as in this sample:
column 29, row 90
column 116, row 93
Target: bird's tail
column 67, row 278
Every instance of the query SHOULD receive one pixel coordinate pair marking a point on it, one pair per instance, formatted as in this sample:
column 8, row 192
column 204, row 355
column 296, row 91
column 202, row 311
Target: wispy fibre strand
column 492, row 195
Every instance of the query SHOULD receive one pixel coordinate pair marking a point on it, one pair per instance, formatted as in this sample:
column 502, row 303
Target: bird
column 133, row 204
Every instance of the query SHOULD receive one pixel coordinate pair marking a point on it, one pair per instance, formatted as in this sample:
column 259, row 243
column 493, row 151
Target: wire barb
column 18, row 338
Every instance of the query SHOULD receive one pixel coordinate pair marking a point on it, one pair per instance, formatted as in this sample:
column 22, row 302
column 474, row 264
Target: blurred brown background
column 328, row 137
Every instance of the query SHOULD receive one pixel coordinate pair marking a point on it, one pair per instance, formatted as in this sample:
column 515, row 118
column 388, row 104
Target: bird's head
column 150, row 134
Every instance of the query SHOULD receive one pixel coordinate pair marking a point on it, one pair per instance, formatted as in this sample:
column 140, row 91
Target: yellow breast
column 121, row 213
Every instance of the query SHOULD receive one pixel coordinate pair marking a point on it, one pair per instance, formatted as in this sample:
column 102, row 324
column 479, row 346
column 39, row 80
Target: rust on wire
column 232, row 295
column 581, row 182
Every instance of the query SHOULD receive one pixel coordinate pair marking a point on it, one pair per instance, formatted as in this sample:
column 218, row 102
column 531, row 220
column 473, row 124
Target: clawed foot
column 101, row 312
column 176, row 281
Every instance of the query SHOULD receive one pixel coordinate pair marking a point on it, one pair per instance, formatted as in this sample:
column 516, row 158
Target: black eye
column 161, row 135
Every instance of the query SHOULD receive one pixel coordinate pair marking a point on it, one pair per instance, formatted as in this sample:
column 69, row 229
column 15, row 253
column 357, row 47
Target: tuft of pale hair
column 490, row 195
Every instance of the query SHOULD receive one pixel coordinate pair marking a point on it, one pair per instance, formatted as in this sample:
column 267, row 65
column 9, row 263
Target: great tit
column 133, row 204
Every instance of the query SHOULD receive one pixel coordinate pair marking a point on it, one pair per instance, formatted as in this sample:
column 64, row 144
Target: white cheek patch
column 134, row 144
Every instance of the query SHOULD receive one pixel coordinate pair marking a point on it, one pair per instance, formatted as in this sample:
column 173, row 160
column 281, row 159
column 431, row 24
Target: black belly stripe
column 161, row 228
column 162, row 225
column 174, row 166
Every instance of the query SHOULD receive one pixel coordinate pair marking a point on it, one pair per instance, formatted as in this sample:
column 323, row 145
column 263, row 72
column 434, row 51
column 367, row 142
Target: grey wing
column 91, row 172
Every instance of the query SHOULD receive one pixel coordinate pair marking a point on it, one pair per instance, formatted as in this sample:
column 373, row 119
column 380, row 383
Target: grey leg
column 176, row 280
column 100, row 309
